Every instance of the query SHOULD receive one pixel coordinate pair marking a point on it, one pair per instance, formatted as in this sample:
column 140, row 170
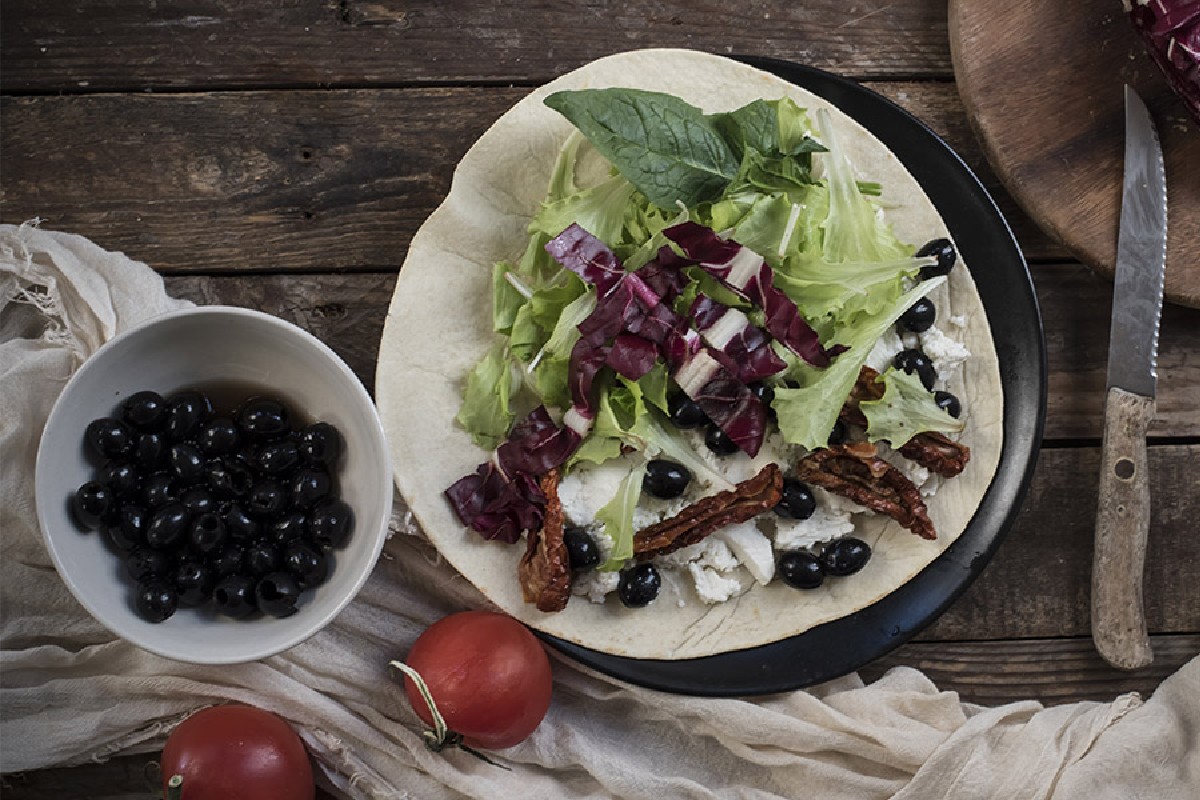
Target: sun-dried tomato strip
column 869, row 481
column 746, row 500
column 545, row 569
column 865, row 388
column 937, row 453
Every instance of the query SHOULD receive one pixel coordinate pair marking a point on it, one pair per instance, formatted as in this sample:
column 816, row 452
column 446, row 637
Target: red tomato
column 488, row 675
column 238, row 753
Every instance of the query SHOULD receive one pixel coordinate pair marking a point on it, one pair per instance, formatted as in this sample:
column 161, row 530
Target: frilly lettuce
column 906, row 409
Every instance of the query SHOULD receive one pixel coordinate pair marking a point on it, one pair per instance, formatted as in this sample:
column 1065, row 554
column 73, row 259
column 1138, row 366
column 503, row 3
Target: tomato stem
column 441, row 737
column 175, row 788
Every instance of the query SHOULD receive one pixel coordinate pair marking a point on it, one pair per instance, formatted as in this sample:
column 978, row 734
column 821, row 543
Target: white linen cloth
column 70, row 692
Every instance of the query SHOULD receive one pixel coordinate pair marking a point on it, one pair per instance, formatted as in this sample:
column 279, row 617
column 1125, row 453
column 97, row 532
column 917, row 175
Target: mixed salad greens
column 675, row 232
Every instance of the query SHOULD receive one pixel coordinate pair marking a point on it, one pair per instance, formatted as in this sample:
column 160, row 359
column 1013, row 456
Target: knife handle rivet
column 1124, row 469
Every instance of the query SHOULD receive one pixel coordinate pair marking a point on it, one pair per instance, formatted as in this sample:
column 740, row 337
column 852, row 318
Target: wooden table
column 280, row 155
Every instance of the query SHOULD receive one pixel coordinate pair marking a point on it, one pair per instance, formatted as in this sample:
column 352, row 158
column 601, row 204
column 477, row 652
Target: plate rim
column 955, row 569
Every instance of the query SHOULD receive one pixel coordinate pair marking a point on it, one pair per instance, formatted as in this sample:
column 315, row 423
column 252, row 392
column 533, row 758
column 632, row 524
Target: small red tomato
column 488, row 675
column 238, row 753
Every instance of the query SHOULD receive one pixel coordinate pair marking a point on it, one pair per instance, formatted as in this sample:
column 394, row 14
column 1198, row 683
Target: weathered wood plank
column 326, row 180
column 1051, row 672
column 1038, row 583
column 132, row 45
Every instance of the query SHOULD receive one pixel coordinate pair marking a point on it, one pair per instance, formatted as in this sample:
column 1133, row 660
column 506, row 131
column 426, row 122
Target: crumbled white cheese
column 824, row 525
column 751, row 548
column 881, row 355
column 946, row 354
column 589, row 488
column 958, row 320
column 594, row 584
column 713, row 586
column 709, row 552
column 651, row 510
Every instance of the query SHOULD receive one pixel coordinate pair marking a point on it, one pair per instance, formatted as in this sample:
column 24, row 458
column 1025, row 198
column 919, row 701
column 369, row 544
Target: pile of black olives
column 239, row 509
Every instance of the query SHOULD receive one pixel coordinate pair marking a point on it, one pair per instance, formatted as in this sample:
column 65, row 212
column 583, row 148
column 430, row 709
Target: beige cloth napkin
column 71, row 693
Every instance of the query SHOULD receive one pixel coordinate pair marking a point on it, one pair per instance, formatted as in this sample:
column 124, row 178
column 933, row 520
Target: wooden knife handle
column 1122, row 523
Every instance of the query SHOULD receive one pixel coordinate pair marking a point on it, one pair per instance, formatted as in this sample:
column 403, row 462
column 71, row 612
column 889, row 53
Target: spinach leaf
column 664, row 146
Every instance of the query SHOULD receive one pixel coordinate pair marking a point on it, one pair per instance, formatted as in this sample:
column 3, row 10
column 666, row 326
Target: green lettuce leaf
column 906, row 409
column 806, row 414
column 506, row 299
column 485, row 412
column 617, row 517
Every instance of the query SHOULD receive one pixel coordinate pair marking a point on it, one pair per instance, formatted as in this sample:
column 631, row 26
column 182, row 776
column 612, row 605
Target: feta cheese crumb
column 710, row 552
column 588, row 489
column 751, row 548
column 594, row 584
column 946, row 354
column 826, row 524
column 712, row 586
column 881, row 355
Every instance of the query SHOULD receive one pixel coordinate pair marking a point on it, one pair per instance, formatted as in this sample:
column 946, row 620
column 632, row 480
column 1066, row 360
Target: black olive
column 156, row 600
column 91, row 503
column 131, row 526
column 194, row 581
column 330, row 523
column 186, row 412
column 639, row 585
column 717, row 441
column 238, row 523
column 187, row 463
column 948, row 403
column 117, row 540
column 207, row 533
column 915, row 361
column 919, row 317
column 278, row 458
column 801, row 570
column 262, row 418
column 290, row 526
column 199, row 500
column 231, row 559
column 797, row 502
column 142, row 563
column 145, row 411
column 665, row 479
column 109, row 438
column 168, row 526
column 122, row 478
column 234, row 596
column 582, row 550
column 228, row 477
column 266, row 499
column 685, row 412
column 276, row 594
column 309, row 564
column 943, row 250
column 218, row 436
column 838, row 434
column 766, row 395
column 310, row 485
column 262, row 557
column 845, row 556
column 150, row 452
column 321, row 444
column 158, row 490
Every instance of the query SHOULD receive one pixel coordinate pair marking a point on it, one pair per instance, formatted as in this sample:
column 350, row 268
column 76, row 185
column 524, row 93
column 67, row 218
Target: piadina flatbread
column 439, row 326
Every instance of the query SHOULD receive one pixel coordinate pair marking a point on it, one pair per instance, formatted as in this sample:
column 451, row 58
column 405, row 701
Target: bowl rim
column 359, row 395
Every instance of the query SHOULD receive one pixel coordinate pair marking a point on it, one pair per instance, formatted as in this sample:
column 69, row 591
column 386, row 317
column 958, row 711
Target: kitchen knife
column 1123, row 516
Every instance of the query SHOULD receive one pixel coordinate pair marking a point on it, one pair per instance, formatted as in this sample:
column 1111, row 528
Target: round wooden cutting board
column 1043, row 85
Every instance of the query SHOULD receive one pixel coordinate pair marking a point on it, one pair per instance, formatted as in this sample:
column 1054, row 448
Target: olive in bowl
column 246, row 352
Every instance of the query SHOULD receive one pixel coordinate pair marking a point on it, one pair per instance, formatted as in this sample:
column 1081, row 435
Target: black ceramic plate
column 986, row 243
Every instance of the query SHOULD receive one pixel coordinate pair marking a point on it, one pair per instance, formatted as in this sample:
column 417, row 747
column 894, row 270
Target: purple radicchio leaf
column 586, row 256
column 741, row 346
column 496, row 507
column 1170, row 30
column 536, row 445
column 632, row 356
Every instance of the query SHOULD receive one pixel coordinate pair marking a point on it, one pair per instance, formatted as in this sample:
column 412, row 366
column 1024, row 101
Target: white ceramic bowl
column 199, row 347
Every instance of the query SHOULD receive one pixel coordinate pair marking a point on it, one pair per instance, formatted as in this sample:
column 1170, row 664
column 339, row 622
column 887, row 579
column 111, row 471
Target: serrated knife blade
column 1123, row 513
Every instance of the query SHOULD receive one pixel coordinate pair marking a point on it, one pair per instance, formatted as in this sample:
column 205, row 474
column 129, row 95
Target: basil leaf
column 664, row 146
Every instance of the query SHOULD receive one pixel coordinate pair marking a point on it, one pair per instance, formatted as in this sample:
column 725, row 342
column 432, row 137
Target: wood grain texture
column 1037, row 585
column 1122, row 527
column 986, row 673
column 1042, row 86
column 290, row 181
column 132, row 45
